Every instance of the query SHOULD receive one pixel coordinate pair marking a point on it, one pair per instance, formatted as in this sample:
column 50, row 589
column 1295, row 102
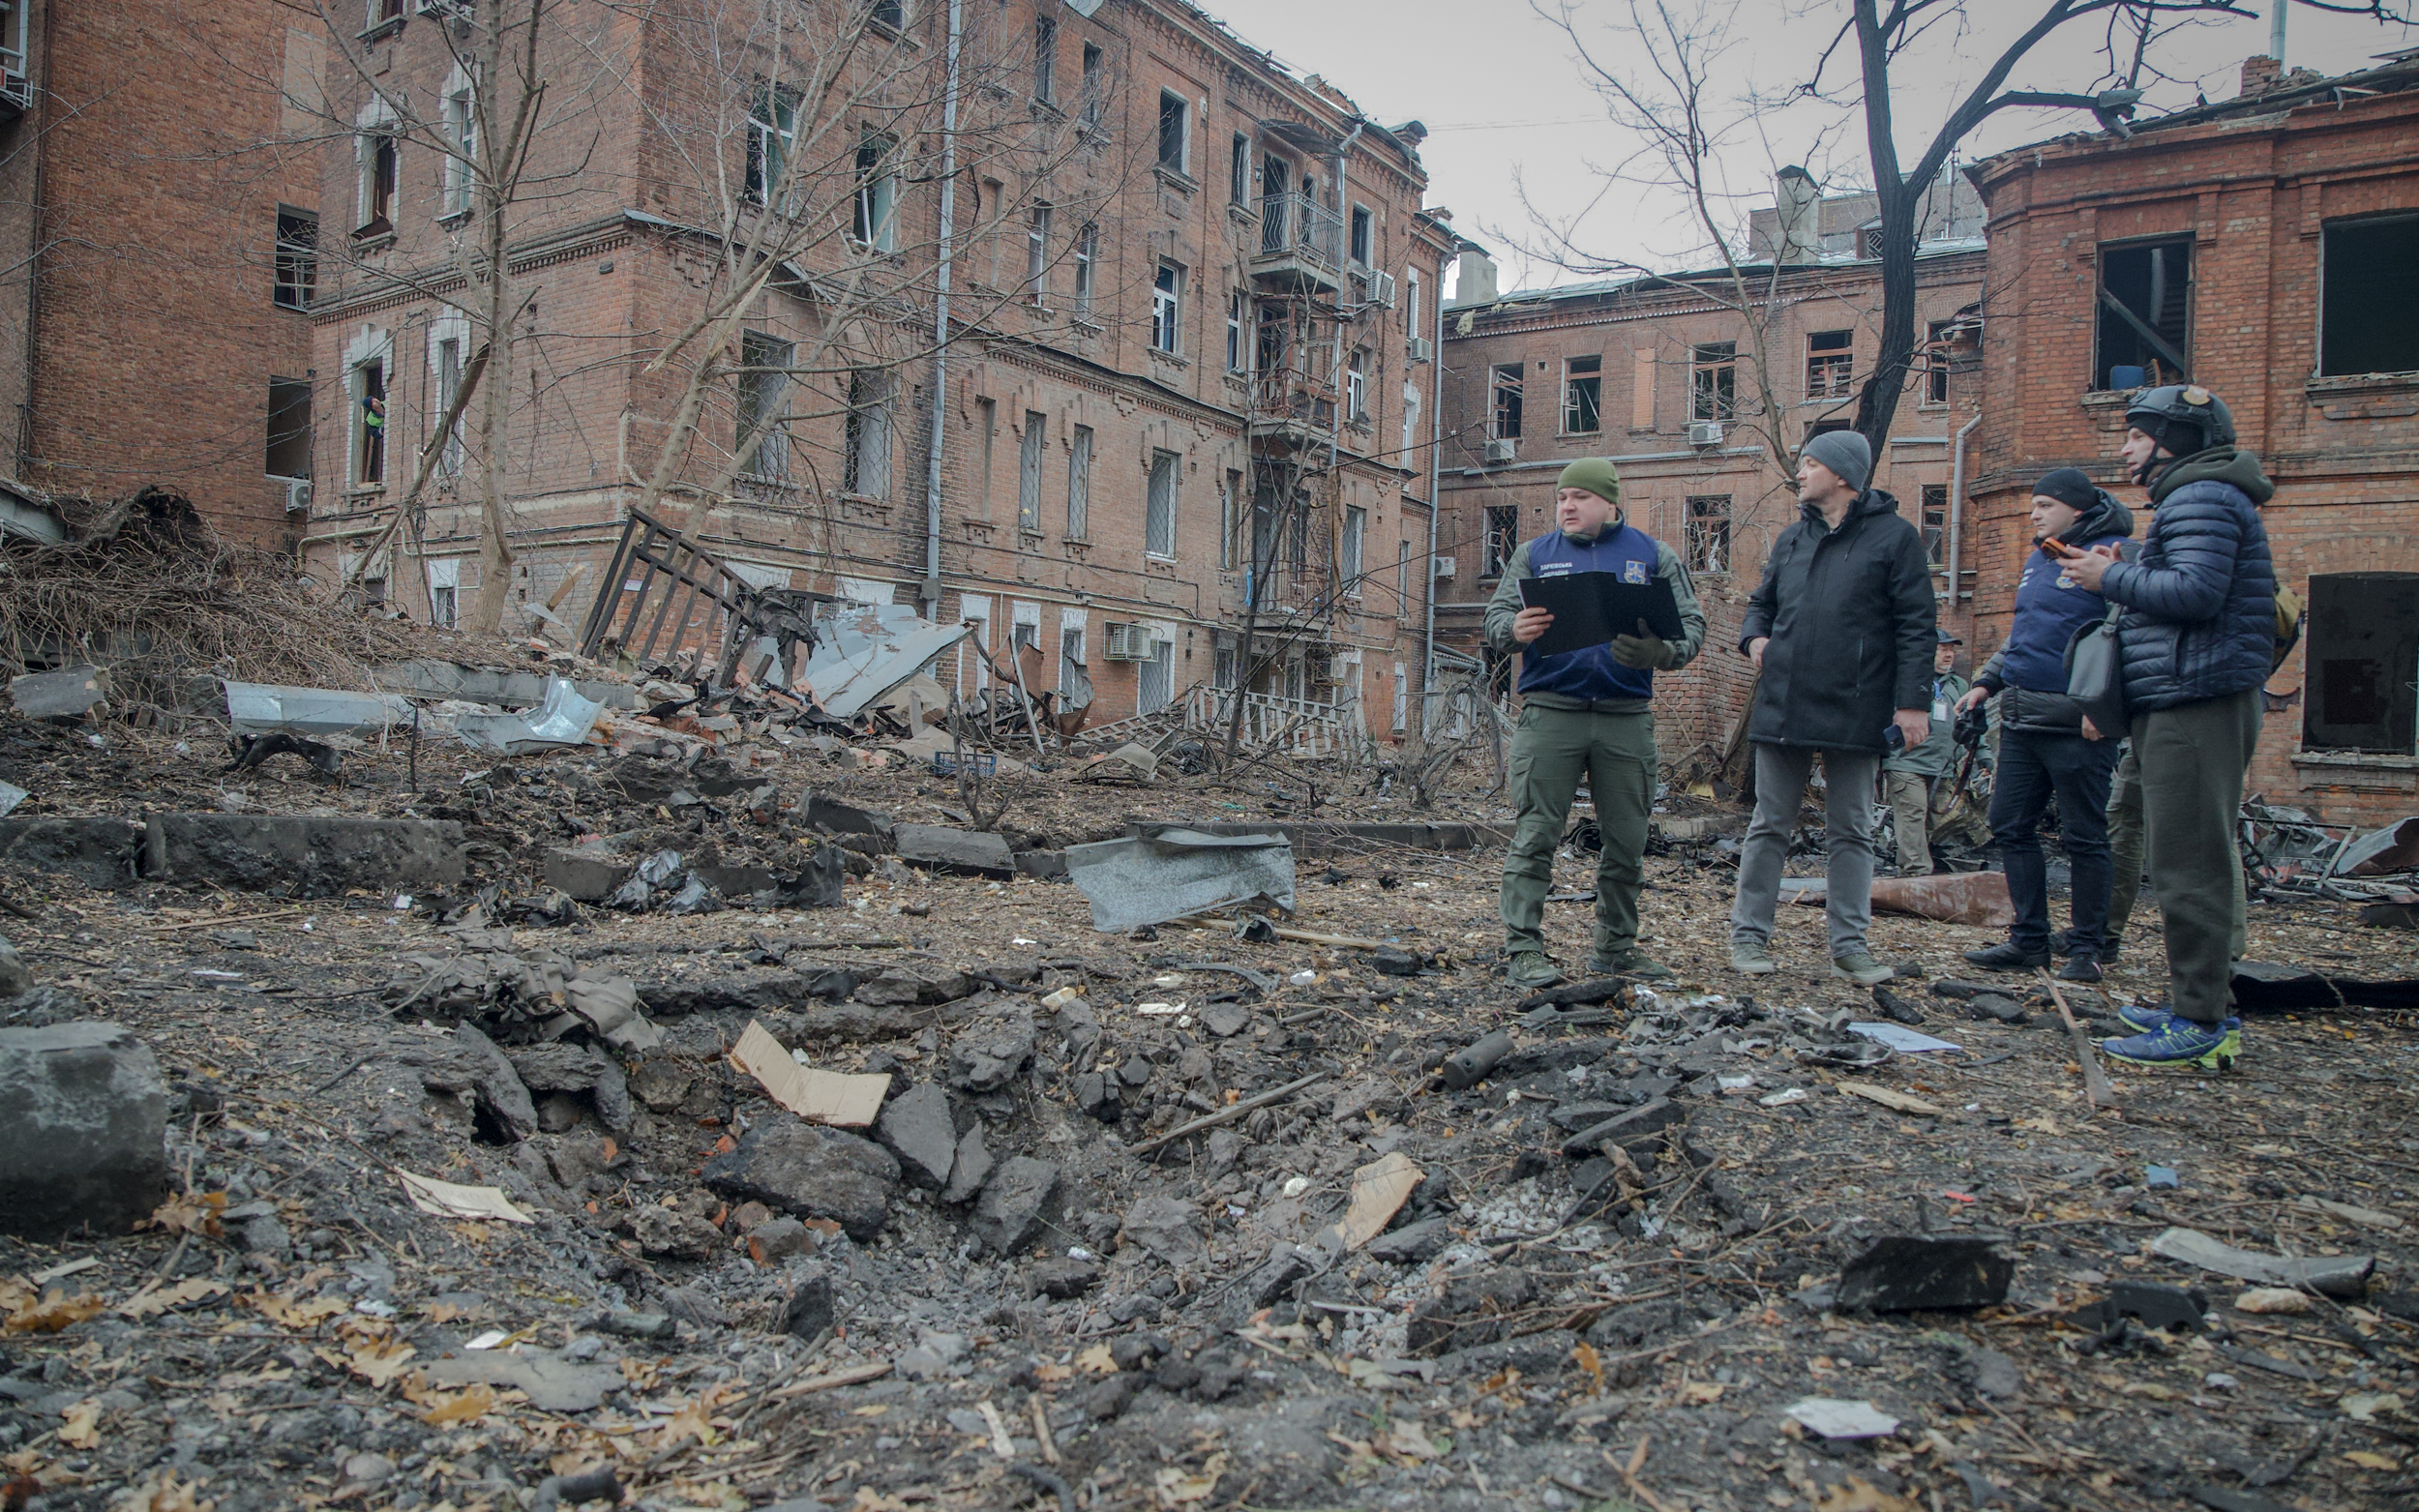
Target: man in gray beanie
column 1843, row 632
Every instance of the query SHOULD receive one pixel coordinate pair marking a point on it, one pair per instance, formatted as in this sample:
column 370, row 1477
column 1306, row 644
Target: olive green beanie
column 1596, row 474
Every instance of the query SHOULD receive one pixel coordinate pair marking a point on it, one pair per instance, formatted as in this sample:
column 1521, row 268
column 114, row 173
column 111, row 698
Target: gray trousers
column 1780, row 775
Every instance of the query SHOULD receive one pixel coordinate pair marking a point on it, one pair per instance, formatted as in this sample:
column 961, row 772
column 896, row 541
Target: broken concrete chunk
column 1018, row 1202
column 809, row 1172
column 830, row 815
column 1470, row 1310
column 554, row 1385
column 662, row 1083
column 1064, row 1280
column 314, row 855
column 965, row 852
column 586, row 875
column 2338, row 1276
column 1276, row 1276
column 1994, row 1375
column 16, row 978
column 1166, row 1228
column 917, row 1127
column 505, row 1112
column 988, row 1056
column 1412, row 1243
column 669, row 1233
column 66, row 694
column 813, row 1308
column 1902, row 1273
column 973, row 1170
column 83, row 1130
column 1225, row 1020
column 577, row 1069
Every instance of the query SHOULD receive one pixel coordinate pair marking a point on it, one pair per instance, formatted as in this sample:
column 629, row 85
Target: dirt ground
column 1113, row 1325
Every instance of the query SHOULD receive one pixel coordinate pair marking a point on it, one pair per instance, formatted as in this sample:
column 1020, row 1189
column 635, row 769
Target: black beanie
column 2069, row 486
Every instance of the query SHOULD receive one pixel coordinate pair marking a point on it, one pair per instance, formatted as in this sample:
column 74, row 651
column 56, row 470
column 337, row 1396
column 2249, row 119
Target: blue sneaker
column 2179, row 1043
column 2151, row 1018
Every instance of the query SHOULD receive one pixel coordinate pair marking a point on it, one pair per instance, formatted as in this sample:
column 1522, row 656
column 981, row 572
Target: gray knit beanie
column 1845, row 453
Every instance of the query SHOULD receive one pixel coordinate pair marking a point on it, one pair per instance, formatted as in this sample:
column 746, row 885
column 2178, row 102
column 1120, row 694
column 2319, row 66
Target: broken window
column 1357, row 386
column 369, row 423
column 289, row 428
column 2145, row 314
column 444, row 591
column 1073, row 682
column 1093, row 81
column 1155, row 686
column 865, row 469
column 1172, row 116
column 1223, row 660
column 1079, row 483
column 1361, row 235
column 1830, row 364
column 1235, row 349
column 1935, row 508
column 1269, row 351
column 1824, row 427
column 379, row 168
column 1504, row 418
column 1230, row 501
column 1265, row 523
column 1046, row 60
column 2362, row 659
column 1164, row 289
column 1159, row 522
column 2368, row 322
column 297, row 259
column 772, row 130
column 877, row 195
column 461, row 134
column 1356, row 535
column 1028, row 471
column 1239, row 171
column 763, row 393
column 1936, row 362
column 1707, row 533
column 891, row 14
column 1583, row 396
column 1713, row 380
column 1502, row 538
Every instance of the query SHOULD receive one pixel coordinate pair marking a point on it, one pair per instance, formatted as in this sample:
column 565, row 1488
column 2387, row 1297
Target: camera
column 1971, row 726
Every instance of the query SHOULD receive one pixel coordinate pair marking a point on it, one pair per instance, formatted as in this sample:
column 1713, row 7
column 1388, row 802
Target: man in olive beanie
column 1585, row 714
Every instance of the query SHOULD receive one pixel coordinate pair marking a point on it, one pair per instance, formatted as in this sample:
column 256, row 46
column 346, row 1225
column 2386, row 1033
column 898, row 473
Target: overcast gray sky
column 1506, row 110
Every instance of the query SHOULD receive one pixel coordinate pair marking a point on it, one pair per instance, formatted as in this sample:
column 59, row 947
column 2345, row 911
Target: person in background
column 1585, row 714
column 2044, row 744
column 1910, row 779
column 1842, row 631
column 2197, row 639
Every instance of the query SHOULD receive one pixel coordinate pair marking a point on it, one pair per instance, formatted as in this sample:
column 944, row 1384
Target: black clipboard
column 1591, row 608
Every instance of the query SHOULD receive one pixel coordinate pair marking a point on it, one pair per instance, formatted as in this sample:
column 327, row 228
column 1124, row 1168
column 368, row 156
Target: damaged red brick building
column 2266, row 247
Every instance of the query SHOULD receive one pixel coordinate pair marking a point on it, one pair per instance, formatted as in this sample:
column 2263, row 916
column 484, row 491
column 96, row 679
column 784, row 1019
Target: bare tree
column 1883, row 30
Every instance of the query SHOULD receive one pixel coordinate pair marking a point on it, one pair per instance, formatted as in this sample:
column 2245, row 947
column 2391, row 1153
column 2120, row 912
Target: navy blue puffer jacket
column 2199, row 602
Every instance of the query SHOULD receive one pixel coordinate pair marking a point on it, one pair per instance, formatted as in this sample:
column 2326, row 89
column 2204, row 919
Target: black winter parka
column 1853, row 628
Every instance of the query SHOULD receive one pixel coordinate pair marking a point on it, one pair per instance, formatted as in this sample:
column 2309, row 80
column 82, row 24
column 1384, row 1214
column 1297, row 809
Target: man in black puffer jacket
column 2196, row 639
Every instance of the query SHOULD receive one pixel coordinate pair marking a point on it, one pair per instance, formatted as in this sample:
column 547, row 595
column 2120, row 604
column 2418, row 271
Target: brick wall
column 2254, row 197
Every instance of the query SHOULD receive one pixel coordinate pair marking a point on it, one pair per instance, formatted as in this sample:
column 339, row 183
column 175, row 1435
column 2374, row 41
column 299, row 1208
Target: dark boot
column 2008, row 957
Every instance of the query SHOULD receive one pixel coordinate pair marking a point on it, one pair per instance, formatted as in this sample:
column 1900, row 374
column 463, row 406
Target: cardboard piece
column 1379, row 1191
column 847, row 1102
column 447, row 1199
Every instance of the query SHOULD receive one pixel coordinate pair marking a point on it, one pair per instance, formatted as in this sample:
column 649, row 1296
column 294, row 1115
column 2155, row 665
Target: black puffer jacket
column 2041, row 711
column 2199, row 601
column 1851, row 619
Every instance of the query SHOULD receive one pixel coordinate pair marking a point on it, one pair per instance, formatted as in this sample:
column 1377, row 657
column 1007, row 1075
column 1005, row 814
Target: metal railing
column 1298, row 226
column 1300, row 726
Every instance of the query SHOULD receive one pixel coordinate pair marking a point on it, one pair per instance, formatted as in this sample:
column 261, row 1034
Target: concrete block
column 98, row 852
column 314, row 856
column 586, row 875
column 942, row 848
column 846, row 818
column 83, row 1130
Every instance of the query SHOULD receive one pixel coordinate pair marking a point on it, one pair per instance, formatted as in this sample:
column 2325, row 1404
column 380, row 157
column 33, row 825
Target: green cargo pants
column 1552, row 750
column 2125, row 847
column 2193, row 759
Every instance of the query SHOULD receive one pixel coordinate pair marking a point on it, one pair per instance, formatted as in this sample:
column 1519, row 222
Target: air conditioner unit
column 1127, row 643
column 1444, row 567
column 1421, row 350
column 1705, row 432
column 1382, row 289
column 297, row 496
column 1500, row 449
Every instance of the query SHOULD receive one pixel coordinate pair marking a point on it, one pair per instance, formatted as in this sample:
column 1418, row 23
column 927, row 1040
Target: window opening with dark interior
column 1706, row 538
column 1936, row 507
column 1172, row 114
column 1505, row 417
column 2144, row 335
column 2367, row 313
column 289, row 428
column 1713, row 380
column 1830, row 364
column 1583, row 396
column 297, row 257
column 2362, row 659
column 1502, row 538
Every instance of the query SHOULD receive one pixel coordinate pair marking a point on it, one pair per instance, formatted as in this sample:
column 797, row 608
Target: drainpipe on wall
column 1436, row 502
column 931, row 594
column 1957, row 510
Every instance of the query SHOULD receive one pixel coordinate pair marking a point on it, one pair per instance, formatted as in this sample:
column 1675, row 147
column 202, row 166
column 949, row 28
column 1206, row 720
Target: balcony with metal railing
column 1302, row 243
column 1291, row 409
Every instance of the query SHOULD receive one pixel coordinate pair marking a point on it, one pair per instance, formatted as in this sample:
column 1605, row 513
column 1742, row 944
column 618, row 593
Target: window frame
column 1238, row 172
column 1830, row 370
column 1237, row 344
column 461, row 131
column 868, row 434
column 873, row 203
column 1031, row 448
column 1046, row 60
column 1498, row 538
column 1182, row 120
column 1576, row 383
column 772, row 135
column 1357, row 386
column 1703, row 547
column 1360, row 242
column 891, row 16
column 1159, row 504
column 448, row 359
column 366, row 445
column 1931, row 518
column 299, row 440
column 295, row 259
column 1713, row 380
column 1080, row 448
column 2327, row 233
column 759, row 400
column 1936, row 361
column 1086, row 265
column 1352, row 550
column 1167, row 307
column 1507, row 386
column 2101, row 360
column 1037, row 253
column 1095, row 67
column 380, row 152
column 1411, row 304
